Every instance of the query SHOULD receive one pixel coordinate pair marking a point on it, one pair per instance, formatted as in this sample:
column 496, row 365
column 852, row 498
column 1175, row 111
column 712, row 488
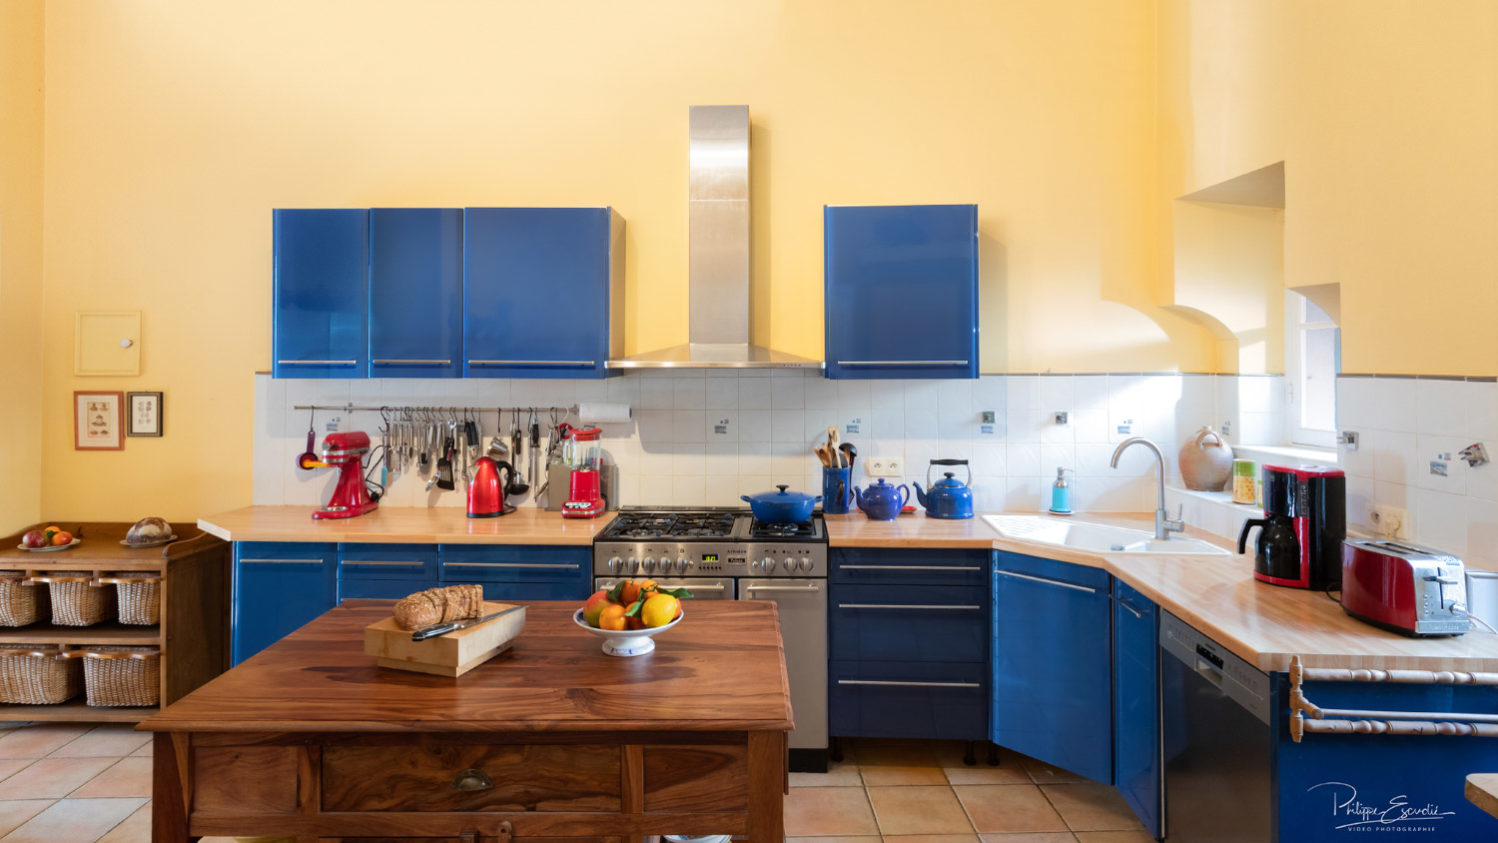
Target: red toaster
column 1404, row 587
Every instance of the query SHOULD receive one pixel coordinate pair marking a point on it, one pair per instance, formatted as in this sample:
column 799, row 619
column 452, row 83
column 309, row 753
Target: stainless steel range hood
column 718, row 254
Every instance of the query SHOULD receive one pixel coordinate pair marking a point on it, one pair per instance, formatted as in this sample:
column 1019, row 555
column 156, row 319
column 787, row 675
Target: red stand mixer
column 350, row 497
column 584, row 454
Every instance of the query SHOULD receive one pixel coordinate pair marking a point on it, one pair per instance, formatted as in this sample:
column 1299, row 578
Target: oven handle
column 807, row 588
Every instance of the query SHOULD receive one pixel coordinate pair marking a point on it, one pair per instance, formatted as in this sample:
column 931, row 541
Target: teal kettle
column 947, row 497
column 881, row 501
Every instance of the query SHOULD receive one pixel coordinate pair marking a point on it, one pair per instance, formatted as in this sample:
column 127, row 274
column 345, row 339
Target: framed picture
column 98, row 421
column 145, row 416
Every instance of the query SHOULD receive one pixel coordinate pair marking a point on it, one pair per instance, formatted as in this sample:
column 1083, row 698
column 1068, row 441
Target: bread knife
column 445, row 628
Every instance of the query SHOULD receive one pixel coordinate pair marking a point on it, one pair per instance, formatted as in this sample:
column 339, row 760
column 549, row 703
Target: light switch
column 106, row 343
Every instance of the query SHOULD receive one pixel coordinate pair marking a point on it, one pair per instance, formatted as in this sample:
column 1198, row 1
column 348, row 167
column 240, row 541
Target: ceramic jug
column 1206, row 461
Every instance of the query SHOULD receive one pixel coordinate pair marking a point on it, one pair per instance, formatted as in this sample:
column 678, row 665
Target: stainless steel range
column 725, row 554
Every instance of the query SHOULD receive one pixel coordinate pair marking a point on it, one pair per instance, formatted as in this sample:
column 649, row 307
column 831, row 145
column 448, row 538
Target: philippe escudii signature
column 1346, row 805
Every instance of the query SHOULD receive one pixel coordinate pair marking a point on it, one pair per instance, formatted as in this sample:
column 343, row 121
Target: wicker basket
column 122, row 676
column 76, row 601
column 37, row 674
column 139, row 596
column 21, row 604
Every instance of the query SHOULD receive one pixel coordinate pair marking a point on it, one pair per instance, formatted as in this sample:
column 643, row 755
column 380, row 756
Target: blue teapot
column 881, row 501
column 948, row 497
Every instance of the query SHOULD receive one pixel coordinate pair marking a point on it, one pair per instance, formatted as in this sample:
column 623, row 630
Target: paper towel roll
column 602, row 413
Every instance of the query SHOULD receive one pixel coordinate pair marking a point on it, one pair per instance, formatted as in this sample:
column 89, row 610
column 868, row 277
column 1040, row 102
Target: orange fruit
column 659, row 610
column 62, row 538
column 594, row 607
column 633, row 623
column 612, row 617
column 634, row 588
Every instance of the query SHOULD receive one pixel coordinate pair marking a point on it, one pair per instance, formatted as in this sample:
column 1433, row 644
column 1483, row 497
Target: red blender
column 583, row 453
column 350, row 497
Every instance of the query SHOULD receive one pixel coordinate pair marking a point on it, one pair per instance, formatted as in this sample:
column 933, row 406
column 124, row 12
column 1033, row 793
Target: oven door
column 702, row 588
column 803, row 631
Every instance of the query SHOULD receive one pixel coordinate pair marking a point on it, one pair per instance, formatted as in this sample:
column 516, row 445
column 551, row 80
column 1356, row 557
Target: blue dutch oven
column 781, row 507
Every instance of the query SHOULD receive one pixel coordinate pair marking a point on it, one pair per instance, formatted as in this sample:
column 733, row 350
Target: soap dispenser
column 1061, row 493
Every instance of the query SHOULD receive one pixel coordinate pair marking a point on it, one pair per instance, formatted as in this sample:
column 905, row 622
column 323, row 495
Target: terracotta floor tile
column 1042, row 773
column 1033, row 837
column 839, row 773
column 13, row 812
column 1092, row 807
column 903, row 763
column 918, row 810
column 53, row 778
column 932, row 838
column 806, row 840
column 828, row 810
column 135, row 829
column 9, row 766
column 1010, row 770
column 128, row 777
column 1115, row 837
column 37, row 741
column 115, row 739
column 143, row 752
column 75, row 820
column 1008, row 807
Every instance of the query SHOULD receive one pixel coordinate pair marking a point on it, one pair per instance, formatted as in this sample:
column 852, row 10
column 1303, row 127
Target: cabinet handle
column 472, row 779
column 1073, row 586
column 317, row 362
column 1133, row 611
column 508, row 565
column 284, row 561
column 412, row 362
column 532, row 362
column 907, row 606
column 806, row 588
column 385, row 564
column 902, row 362
column 909, row 568
column 891, row 682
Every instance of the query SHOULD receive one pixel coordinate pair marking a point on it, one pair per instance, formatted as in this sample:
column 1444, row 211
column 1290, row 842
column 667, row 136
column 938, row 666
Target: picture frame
column 98, row 421
column 144, row 413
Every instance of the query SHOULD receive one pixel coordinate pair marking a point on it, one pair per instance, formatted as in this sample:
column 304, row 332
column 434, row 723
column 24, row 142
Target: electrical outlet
column 1390, row 521
column 882, row 467
column 894, row 466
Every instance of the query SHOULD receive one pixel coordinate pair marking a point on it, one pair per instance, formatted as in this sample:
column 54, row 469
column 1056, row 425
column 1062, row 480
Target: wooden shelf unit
column 193, row 633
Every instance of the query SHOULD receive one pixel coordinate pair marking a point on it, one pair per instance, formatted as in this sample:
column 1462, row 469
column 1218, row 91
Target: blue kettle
column 948, row 497
column 881, row 501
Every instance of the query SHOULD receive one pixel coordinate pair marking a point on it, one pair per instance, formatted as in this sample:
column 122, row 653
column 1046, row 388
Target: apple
column 61, row 538
column 35, row 538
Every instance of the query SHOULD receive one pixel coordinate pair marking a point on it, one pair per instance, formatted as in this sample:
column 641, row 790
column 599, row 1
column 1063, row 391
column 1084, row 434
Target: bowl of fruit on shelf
column 630, row 614
column 50, row 539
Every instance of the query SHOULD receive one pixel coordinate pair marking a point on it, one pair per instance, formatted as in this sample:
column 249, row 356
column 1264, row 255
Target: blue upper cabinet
column 415, row 292
column 901, row 291
column 537, row 292
column 321, row 294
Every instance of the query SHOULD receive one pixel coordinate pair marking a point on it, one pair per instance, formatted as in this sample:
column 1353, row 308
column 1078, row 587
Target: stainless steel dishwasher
column 1215, row 712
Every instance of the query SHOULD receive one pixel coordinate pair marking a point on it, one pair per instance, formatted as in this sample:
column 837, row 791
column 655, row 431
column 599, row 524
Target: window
column 1313, row 357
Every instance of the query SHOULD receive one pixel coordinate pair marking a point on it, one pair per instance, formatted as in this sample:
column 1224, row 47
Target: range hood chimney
column 718, row 254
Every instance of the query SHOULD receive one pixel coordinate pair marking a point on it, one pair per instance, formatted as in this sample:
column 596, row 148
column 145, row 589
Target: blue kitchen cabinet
column 538, row 292
column 320, row 293
column 415, row 292
column 385, row 571
column 901, row 291
column 901, row 699
column 519, row 572
column 1052, row 663
column 1137, row 766
column 278, row 588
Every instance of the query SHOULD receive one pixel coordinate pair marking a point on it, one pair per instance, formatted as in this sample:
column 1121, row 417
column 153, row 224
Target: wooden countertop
column 722, row 668
column 1482, row 791
column 1263, row 624
column 404, row 525
column 99, row 548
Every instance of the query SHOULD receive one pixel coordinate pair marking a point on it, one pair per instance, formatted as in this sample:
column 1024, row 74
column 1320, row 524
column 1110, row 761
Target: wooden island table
column 552, row 740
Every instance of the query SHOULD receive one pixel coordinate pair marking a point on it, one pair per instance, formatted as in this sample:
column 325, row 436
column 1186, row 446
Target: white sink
column 1096, row 538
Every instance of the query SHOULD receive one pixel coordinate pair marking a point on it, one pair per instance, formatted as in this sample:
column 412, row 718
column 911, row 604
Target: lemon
column 659, row 609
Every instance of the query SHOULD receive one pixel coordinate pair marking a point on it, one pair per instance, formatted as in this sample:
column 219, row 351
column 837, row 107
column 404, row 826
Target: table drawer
column 908, row 623
column 471, row 778
column 854, row 565
column 908, row 700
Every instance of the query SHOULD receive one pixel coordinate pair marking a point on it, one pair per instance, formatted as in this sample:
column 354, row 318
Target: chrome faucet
column 1164, row 526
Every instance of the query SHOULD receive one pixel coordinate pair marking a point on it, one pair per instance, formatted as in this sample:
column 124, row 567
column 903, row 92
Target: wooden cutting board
column 453, row 654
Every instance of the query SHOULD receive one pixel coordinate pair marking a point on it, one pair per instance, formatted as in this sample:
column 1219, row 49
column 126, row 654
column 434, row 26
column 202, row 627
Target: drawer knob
column 471, row 779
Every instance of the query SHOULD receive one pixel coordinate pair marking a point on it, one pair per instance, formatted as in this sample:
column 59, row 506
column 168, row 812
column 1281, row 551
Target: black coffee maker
column 1304, row 523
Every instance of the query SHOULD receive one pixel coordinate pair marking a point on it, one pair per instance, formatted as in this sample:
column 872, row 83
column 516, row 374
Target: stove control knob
column 632, row 565
column 768, row 564
column 681, row 564
column 806, row 564
column 649, row 565
column 614, row 565
column 756, row 565
column 668, row 565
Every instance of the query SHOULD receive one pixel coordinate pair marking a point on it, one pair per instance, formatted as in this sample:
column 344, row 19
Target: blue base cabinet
column 901, row 285
column 520, row 572
column 1053, row 663
column 908, row 644
column 278, row 588
column 385, row 571
column 1137, row 769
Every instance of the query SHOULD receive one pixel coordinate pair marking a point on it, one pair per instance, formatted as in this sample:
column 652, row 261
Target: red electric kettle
column 486, row 493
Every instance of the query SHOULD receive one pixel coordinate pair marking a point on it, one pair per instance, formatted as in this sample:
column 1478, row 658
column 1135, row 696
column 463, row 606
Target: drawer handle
column 383, row 563
column 1133, row 611
column 471, row 779
column 909, row 568
column 284, row 561
column 907, row 606
column 549, row 566
column 412, row 362
column 316, row 362
column 532, row 362
column 893, row 683
column 902, row 362
column 1072, row 586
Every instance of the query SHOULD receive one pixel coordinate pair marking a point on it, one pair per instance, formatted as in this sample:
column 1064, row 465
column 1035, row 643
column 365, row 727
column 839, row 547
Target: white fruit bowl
column 626, row 642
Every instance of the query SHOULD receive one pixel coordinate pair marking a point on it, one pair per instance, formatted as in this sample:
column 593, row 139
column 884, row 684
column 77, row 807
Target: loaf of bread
column 148, row 530
column 439, row 605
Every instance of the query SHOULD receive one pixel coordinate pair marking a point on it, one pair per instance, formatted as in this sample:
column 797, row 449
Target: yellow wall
column 1386, row 116
column 175, row 126
column 1229, row 263
column 21, row 27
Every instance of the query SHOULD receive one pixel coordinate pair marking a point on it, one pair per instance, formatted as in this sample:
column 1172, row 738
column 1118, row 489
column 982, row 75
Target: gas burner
column 782, row 530
column 655, row 525
column 706, row 525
